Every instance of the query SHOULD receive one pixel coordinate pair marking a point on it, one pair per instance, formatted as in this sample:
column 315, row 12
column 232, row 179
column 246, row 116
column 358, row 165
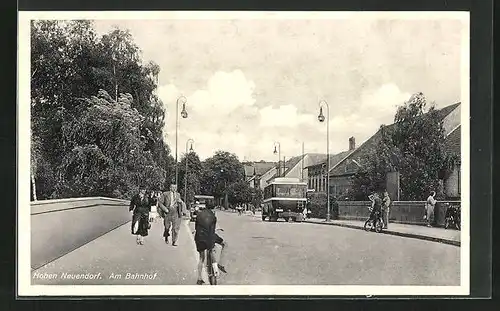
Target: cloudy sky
column 250, row 82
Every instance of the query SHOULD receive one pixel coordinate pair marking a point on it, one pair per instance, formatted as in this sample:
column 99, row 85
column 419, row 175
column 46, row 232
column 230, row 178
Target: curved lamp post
column 186, row 172
column 321, row 118
column 278, row 151
column 184, row 115
column 225, row 190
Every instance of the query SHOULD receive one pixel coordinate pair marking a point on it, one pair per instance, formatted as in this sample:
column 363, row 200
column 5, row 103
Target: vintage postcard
column 243, row 153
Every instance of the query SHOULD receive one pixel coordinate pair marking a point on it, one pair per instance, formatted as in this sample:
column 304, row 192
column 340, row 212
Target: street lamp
column 278, row 151
column 225, row 190
column 184, row 115
column 186, row 173
column 321, row 118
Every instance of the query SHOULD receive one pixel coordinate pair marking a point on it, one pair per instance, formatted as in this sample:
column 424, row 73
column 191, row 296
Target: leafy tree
column 414, row 146
column 240, row 193
column 107, row 155
column 220, row 172
column 70, row 64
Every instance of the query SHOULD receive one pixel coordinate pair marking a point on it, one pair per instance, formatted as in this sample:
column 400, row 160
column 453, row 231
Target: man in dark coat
column 172, row 209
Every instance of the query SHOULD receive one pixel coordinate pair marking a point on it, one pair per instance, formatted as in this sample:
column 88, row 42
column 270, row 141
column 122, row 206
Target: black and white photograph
column 243, row 153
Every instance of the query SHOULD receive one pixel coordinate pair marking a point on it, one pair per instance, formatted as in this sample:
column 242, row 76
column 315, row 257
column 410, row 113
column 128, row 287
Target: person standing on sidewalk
column 140, row 207
column 429, row 208
column 386, row 203
column 173, row 209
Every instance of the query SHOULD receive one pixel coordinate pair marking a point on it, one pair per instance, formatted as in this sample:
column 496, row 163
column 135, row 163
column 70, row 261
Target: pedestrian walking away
column 172, row 210
column 429, row 208
column 140, row 206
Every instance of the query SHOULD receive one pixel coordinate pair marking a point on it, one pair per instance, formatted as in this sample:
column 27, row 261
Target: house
column 453, row 179
column 316, row 176
column 295, row 167
column 255, row 170
column 342, row 172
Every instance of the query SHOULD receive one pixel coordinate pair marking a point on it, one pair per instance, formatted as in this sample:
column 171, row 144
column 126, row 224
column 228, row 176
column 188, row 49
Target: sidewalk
column 116, row 259
column 447, row 236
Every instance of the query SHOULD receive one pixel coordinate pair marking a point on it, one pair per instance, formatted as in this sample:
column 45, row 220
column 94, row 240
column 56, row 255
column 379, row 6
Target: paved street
column 265, row 253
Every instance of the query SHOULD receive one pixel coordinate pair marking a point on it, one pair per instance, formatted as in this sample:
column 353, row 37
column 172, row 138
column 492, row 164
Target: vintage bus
column 284, row 198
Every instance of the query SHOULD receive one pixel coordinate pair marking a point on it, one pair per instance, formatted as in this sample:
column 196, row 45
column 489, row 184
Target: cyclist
column 376, row 207
column 205, row 238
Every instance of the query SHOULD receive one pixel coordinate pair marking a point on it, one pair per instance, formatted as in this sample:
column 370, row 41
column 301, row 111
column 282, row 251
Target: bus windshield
column 290, row 191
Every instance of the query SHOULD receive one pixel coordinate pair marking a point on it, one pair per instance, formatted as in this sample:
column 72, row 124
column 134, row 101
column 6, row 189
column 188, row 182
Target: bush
column 317, row 205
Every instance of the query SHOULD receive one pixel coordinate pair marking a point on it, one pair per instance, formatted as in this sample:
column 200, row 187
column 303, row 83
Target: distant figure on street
column 386, row 203
column 239, row 208
column 172, row 209
column 140, row 207
column 429, row 208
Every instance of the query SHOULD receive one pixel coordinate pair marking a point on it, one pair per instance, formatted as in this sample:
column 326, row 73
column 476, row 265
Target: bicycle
column 374, row 223
column 210, row 254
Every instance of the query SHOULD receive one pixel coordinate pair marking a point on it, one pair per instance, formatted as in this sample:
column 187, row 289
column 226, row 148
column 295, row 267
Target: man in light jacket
column 172, row 209
column 429, row 208
column 386, row 208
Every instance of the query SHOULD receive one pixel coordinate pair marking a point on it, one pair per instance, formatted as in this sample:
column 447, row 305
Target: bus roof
column 200, row 196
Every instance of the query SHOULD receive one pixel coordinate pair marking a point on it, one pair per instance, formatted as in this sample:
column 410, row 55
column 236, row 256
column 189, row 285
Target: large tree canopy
column 219, row 172
column 414, row 146
column 86, row 144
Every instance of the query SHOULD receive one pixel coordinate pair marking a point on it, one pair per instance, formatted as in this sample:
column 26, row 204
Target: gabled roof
column 290, row 164
column 257, row 168
column 373, row 140
column 334, row 159
column 452, row 141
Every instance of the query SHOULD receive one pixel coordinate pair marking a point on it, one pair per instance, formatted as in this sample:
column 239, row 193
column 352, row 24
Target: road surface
column 261, row 253
column 269, row 253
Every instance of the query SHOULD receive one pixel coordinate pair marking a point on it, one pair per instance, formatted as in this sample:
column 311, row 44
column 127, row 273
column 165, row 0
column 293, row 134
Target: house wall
column 452, row 184
column 339, row 185
column 299, row 167
column 265, row 177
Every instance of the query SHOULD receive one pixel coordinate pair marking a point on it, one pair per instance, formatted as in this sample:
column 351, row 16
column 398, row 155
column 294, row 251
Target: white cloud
column 217, row 114
column 285, row 116
column 224, row 116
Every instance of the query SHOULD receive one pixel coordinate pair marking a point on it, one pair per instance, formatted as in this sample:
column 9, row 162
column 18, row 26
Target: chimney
column 352, row 143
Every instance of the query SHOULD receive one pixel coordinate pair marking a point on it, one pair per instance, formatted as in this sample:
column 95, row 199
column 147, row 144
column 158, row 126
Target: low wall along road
column 61, row 226
column 407, row 212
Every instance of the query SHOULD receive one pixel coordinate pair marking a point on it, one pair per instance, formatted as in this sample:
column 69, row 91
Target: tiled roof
column 334, row 159
column 452, row 141
column 371, row 142
column 443, row 112
column 257, row 168
column 262, row 167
